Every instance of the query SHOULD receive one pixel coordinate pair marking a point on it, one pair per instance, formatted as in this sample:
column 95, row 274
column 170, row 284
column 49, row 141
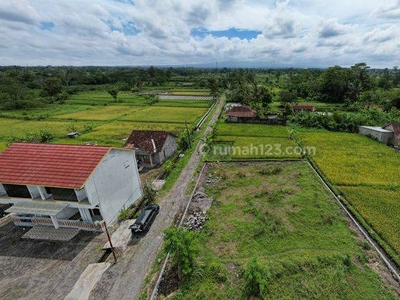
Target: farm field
column 367, row 172
column 254, row 141
column 103, row 124
column 274, row 232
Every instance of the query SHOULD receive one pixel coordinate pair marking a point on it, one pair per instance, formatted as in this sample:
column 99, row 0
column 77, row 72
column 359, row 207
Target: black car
column 145, row 219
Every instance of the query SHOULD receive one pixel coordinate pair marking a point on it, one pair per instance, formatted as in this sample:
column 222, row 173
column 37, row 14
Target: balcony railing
column 32, row 221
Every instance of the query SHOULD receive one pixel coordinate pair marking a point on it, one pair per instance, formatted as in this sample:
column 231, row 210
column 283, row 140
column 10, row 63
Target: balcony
column 77, row 224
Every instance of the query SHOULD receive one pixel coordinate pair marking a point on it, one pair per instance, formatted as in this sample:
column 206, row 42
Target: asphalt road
column 124, row 280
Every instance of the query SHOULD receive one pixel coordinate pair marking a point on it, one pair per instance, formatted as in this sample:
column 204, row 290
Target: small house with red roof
column 67, row 185
column 152, row 147
column 239, row 114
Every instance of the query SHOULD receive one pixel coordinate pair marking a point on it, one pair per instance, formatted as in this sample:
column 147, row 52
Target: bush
column 257, row 278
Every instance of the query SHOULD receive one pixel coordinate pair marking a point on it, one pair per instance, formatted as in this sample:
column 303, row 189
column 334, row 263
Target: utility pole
column 111, row 245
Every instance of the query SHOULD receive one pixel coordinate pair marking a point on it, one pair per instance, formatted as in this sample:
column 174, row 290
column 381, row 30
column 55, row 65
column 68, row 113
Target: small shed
column 152, row 147
column 239, row 114
column 395, row 128
column 378, row 133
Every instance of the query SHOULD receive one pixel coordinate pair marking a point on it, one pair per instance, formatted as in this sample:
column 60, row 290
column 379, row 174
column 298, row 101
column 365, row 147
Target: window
column 20, row 191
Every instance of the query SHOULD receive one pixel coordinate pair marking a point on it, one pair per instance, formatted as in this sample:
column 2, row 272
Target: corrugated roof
column 143, row 139
column 64, row 166
column 241, row 112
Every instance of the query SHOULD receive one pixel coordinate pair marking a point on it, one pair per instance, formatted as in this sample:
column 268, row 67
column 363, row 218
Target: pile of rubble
column 195, row 221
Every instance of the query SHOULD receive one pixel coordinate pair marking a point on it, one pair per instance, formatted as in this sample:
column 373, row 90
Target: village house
column 67, row 185
column 297, row 108
column 239, row 114
column 152, row 148
column 395, row 128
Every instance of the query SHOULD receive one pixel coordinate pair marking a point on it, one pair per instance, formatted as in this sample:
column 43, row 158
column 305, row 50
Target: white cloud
column 298, row 32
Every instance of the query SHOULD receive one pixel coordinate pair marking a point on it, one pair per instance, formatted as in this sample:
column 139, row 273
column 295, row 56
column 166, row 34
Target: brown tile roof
column 241, row 112
column 64, row 166
column 143, row 139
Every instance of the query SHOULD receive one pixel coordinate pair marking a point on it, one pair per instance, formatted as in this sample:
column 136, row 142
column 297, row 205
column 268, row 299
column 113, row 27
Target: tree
column 286, row 97
column 113, row 91
column 183, row 245
column 215, row 86
column 51, row 87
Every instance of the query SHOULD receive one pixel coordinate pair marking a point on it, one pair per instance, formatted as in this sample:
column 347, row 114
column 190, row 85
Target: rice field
column 166, row 115
column 253, row 141
column 367, row 173
column 380, row 209
column 105, row 124
column 353, row 159
column 102, row 113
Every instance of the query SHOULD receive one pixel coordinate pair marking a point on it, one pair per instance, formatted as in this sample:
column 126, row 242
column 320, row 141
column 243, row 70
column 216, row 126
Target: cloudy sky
column 312, row 33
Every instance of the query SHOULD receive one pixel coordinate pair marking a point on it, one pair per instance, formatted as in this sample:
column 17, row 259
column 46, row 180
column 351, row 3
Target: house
column 303, row 108
column 377, row 133
column 395, row 128
column 67, row 185
column 240, row 114
column 152, row 148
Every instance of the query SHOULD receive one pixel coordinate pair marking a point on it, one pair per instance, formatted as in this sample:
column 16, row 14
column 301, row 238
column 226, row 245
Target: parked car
column 145, row 219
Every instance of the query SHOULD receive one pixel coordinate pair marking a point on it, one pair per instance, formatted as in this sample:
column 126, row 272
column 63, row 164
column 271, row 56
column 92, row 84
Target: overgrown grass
column 290, row 224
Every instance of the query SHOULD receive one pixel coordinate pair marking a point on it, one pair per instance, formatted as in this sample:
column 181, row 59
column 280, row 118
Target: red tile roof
column 64, row 166
column 142, row 139
column 241, row 112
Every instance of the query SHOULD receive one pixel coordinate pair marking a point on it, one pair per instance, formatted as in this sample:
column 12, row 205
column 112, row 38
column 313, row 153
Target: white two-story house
column 67, row 185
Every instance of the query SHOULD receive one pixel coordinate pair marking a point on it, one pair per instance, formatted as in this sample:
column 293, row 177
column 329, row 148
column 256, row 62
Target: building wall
column 114, row 184
column 168, row 149
column 380, row 136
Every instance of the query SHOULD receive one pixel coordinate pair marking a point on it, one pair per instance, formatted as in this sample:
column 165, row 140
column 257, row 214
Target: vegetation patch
column 248, row 249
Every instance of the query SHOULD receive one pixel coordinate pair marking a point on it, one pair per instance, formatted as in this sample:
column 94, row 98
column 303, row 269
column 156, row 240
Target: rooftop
column 241, row 112
column 64, row 166
column 148, row 140
column 378, row 129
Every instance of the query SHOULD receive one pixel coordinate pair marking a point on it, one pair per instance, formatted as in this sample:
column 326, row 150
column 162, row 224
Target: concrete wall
column 381, row 136
column 168, row 149
column 114, row 184
column 2, row 190
column 34, row 191
column 80, row 194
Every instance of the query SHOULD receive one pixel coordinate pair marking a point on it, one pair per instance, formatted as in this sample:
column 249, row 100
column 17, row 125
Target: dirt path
column 124, row 280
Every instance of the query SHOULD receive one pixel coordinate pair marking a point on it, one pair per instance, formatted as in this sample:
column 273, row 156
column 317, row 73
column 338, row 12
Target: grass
column 102, row 113
column 253, row 141
column 380, row 209
column 287, row 221
column 166, row 114
column 366, row 172
column 100, row 98
column 352, row 159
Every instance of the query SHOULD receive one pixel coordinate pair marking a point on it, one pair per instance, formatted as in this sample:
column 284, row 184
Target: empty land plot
column 166, row 114
column 352, row 159
column 276, row 225
column 380, row 209
column 101, row 114
column 101, row 98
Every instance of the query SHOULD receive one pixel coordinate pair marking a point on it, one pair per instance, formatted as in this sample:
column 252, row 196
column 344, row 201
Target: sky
column 291, row 33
